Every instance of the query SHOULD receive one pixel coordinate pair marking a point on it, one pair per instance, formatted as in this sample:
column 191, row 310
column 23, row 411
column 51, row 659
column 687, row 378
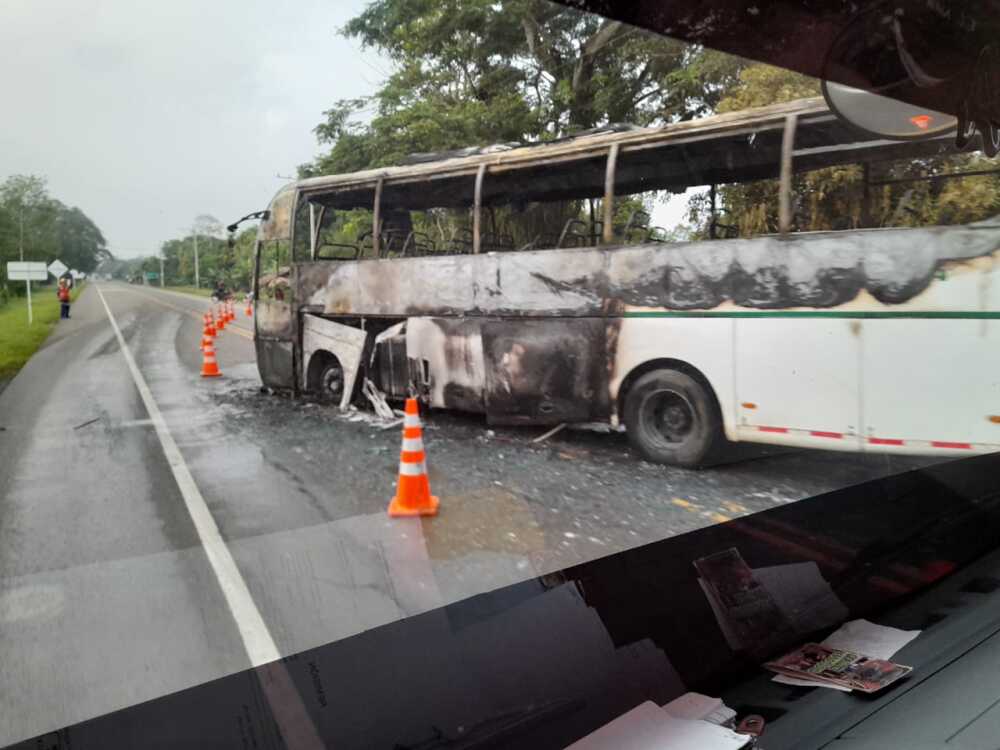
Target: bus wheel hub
column 674, row 417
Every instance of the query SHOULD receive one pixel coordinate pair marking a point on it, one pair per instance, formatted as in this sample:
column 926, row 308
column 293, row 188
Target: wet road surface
column 109, row 594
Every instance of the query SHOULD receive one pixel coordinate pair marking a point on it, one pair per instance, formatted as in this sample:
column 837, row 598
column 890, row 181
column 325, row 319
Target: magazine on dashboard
column 820, row 663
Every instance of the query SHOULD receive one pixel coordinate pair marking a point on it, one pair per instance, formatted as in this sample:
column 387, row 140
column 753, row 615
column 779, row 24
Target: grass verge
column 18, row 340
column 201, row 292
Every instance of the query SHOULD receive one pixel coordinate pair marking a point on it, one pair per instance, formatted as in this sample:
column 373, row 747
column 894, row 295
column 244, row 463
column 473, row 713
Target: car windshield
column 500, row 374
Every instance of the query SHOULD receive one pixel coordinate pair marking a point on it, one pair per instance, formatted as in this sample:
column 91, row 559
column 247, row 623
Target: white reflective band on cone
column 413, row 444
column 411, row 420
column 412, row 470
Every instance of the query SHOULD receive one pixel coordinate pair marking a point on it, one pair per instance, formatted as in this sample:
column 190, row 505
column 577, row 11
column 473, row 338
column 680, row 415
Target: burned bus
column 508, row 281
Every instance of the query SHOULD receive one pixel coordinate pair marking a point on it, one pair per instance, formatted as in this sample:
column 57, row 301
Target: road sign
column 26, row 271
column 57, row 268
column 152, row 275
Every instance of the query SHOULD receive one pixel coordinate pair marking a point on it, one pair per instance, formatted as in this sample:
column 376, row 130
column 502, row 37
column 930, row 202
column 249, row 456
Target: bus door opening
column 274, row 330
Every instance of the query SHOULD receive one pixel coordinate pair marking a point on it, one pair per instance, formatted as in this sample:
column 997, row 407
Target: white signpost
column 27, row 271
column 57, row 268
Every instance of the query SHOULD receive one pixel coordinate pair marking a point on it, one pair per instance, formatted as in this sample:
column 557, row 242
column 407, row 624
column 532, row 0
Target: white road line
column 257, row 640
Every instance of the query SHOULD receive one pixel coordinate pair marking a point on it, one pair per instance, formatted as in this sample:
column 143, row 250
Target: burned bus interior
column 576, row 176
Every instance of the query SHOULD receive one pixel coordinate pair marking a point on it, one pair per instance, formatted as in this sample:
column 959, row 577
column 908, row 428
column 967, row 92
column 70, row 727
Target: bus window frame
column 281, row 211
column 377, row 219
column 312, row 231
column 611, row 167
column 611, row 160
column 477, row 210
column 782, row 122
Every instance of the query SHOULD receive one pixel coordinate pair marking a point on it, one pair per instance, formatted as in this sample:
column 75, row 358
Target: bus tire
column 330, row 381
column 671, row 418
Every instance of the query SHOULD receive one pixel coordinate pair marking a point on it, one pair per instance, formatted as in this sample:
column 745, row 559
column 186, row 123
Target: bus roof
column 726, row 148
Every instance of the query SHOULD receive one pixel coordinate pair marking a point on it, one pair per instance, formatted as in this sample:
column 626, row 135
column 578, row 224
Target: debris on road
column 354, row 414
column 601, row 427
column 594, row 485
column 550, row 433
column 377, row 399
column 83, row 424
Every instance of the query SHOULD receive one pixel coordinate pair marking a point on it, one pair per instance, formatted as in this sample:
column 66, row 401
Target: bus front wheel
column 330, row 383
column 671, row 418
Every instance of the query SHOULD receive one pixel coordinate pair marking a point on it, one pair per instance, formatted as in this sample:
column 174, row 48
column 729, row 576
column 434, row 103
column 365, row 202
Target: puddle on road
column 490, row 519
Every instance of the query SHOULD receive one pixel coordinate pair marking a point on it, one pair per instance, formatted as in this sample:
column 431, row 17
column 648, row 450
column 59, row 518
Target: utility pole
column 197, row 275
column 20, row 244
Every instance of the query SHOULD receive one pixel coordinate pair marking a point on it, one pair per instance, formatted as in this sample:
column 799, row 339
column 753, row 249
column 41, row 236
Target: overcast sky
column 147, row 114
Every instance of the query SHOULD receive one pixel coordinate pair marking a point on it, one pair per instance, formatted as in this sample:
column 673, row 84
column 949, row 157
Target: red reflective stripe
column 943, row 444
column 885, row 441
column 889, row 585
column 834, row 435
column 411, row 457
column 773, row 429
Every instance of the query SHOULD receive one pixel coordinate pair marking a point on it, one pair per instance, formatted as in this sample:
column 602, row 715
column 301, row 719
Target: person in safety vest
column 64, row 299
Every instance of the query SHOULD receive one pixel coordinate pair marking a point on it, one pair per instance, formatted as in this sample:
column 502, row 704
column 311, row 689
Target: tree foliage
column 217, row 261
column 38, row 227
column 473, row 72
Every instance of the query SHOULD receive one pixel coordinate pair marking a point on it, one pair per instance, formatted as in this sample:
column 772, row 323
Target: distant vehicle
column 460, row 293
column 220, row 293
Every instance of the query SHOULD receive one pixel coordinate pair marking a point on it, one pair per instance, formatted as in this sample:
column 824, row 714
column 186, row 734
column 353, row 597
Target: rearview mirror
column 883, row 117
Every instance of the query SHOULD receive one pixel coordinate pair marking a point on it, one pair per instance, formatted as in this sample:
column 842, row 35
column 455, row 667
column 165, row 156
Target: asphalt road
column 114, row 589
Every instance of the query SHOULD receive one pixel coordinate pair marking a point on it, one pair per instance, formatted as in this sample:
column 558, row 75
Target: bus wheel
column 671, row 418
column 330, row 384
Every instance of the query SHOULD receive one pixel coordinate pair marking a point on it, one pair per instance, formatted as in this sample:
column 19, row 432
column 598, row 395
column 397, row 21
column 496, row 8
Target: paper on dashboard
column 648, row 727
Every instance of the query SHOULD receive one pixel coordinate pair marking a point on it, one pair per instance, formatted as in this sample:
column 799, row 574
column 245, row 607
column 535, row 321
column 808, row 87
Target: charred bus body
column 687, row 343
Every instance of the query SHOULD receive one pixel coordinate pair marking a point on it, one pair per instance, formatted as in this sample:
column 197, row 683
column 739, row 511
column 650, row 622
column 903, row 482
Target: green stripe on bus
column 925, row 314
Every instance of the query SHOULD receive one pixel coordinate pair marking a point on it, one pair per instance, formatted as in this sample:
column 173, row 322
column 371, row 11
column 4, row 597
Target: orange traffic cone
column 413, row 493
column 209, row 367
column 220, row 321
column 209, row 329
column 249, row 309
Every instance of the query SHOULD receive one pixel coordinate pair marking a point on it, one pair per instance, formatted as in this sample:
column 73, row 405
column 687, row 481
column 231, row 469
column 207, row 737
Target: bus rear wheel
column 671, row 418
column 330, row 383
